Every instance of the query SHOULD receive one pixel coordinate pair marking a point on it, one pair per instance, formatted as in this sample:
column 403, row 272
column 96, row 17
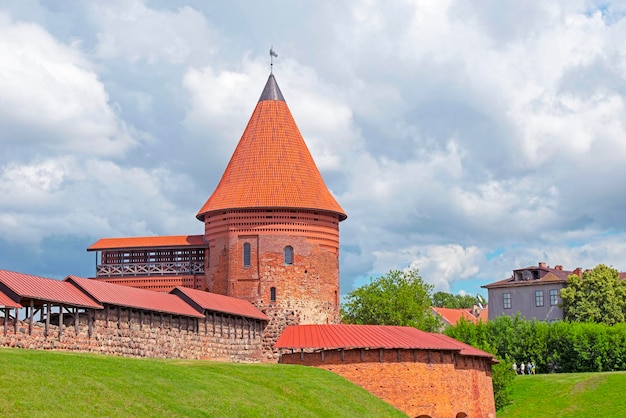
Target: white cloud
column 51, row 97
column 450, row 131
column 135, row 32
column 439, row 265
column 89, row 197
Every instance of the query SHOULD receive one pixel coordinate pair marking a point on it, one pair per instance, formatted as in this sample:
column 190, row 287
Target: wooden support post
column 15, row 325
column 151, row 318
column 48, row 312
column 213, row 315
column 301, row 354
column 361, row 354
column 322, row 356
column 107, row 313
column 90, row 320
column 6, row 320
column 206, row 323
column 30, row 317
column 60, row 321
column 380, row 355
column 75, row 320
column 119, row 317
column 140, row 320
column 399, row 355
column 343, row 352
column 414, row 356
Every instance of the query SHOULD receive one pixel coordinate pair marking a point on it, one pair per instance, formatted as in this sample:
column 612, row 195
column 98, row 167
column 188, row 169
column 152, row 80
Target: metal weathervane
column 272, row 56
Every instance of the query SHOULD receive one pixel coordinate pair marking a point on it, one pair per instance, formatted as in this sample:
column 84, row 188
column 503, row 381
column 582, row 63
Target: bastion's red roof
column 271, row 166
column 341, row 336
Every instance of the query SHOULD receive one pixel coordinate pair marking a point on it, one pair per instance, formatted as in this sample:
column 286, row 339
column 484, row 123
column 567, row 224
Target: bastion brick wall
column 134, row 333
column 417, row 382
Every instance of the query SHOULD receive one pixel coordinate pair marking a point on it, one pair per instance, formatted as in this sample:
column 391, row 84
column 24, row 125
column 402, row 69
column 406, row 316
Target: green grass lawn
column 43, row 383
column 568, row 395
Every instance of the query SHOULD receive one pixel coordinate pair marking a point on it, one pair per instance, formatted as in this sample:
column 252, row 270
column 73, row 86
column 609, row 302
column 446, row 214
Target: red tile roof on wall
column 484, row 315
column 271, row 166
column 7, row 302
column 221, row 303
column 47, row 290
column 174, row 241
column 343, row 336
column 452, row 316
column 113, row 294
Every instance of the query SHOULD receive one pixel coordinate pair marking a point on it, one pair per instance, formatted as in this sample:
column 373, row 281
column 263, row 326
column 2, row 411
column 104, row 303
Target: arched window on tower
column 246, row 254
column 272, row 294
column 288, row 252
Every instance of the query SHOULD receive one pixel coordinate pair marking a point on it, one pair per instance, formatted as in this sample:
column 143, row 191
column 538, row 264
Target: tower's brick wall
column 307, row 292
column 418, row 382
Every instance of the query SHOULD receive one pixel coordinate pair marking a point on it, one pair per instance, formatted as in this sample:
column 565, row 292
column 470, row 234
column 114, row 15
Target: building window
column 554, row 297
column 288, row 253
column 539, row 298
column 507, row 300
column 246, row 254
column 272, row 294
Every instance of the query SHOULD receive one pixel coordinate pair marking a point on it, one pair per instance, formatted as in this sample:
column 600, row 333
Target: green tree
column 448, row 300
column 397, row 298
column 599, row 296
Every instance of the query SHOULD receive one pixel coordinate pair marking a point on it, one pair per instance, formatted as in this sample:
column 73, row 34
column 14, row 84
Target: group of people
column 529, row 368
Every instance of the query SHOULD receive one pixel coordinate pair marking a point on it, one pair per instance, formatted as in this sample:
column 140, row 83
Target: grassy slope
column 38, row 383
column 568, row 395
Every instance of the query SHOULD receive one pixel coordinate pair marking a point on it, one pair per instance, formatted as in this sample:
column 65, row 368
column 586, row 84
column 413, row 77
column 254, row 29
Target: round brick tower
column 273, row 226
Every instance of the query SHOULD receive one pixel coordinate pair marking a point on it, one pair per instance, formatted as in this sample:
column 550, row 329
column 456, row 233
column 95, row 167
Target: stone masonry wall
column 138, row 334
column 417, row 382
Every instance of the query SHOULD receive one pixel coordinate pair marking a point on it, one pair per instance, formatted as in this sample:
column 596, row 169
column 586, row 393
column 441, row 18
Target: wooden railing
column 149, row 269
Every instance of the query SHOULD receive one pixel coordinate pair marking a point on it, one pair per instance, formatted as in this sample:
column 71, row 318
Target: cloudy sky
column 464, row 138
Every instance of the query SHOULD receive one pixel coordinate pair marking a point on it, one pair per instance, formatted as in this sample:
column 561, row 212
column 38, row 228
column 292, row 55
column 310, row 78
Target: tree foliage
column 448, row 300
column 397, row 298
column 558, row 347
column 599, row 296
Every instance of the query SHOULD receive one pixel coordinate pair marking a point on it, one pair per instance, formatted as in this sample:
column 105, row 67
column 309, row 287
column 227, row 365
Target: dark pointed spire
column 271, row 91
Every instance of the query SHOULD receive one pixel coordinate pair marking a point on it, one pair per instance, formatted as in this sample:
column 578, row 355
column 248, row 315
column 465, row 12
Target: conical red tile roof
column 271, row 166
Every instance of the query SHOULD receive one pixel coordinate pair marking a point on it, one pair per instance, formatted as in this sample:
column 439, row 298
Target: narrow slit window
column 272, row 294
column 288, row 251
column 246, row 254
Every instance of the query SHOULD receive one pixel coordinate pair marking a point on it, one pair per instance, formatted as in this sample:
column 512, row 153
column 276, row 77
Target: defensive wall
column 136, row 333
